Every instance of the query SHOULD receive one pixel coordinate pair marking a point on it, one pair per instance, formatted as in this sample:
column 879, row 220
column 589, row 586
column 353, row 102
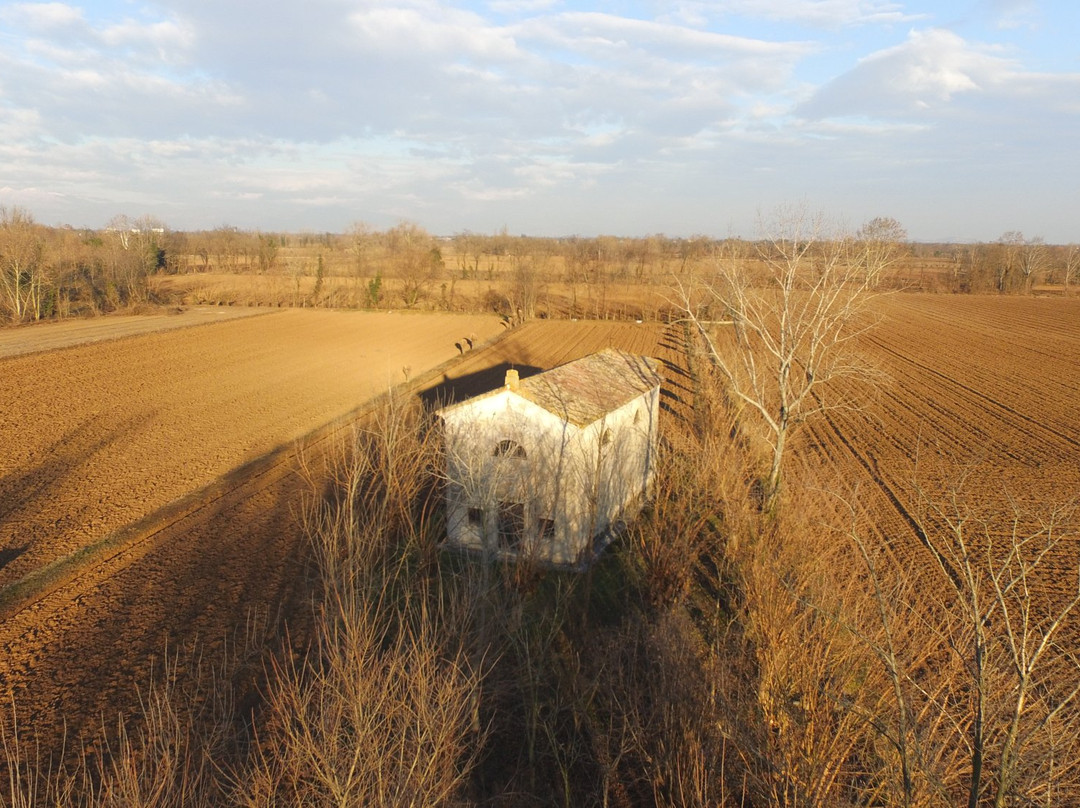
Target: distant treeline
column 52, row 272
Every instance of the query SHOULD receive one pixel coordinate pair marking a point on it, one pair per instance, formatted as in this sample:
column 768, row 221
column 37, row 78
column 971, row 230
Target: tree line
column 54, row 272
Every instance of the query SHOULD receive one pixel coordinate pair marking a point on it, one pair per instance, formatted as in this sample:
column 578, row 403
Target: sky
column 544, row 117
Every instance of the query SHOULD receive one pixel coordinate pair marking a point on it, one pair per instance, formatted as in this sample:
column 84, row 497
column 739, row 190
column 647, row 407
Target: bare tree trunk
column 795, row 319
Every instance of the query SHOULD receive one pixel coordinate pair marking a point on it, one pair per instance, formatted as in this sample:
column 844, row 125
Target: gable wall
column 566, row 474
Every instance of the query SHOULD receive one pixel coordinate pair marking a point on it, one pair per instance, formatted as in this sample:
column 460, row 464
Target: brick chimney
column 512, row 379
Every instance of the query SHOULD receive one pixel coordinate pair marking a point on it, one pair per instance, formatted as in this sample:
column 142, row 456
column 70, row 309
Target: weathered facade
column 545, row 467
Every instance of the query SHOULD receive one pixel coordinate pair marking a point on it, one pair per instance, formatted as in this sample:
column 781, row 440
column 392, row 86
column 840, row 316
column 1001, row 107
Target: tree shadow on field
column 451, row 390
column 9, row 554
column 24, row 487
column 234, row 563
column 676, row 370
column 37, row 504
column 673, row 341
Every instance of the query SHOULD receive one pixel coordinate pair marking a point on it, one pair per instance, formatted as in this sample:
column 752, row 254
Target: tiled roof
column 586, row 389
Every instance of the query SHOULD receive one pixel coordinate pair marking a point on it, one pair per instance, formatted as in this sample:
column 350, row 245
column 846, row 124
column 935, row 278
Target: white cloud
column 924, row 72
column 521, row 6
column 42, row 17
column 1012, row 14
column 431, row 29
column 825, row 14
column 518, row 112
column 605, row 34
column 166, row 38
column 18, row 124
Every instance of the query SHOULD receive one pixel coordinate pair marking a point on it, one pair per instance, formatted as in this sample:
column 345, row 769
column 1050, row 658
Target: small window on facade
column 637, row 417
column 545, row 528
column 605, row 438
column 509, row 448
column 476, row 517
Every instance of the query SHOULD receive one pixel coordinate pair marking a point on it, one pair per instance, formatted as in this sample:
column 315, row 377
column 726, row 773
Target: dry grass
column 877, row 673
column 176, row 751
column 383, row 709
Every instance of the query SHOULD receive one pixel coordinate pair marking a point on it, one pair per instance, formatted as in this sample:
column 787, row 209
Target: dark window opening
column 509, row 448
column 605, row 438
column 476, row 517
column 545, row 528
column 511, row 524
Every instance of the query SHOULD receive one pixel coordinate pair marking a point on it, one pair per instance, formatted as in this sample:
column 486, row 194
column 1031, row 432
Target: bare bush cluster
column 382, row 712
column 887, row 670
column 49, row 272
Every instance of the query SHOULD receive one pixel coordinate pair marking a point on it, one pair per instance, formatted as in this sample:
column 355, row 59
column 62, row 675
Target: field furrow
column 970, row 402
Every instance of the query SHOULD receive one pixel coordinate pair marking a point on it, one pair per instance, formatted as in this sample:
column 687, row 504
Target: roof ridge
column 583, row 390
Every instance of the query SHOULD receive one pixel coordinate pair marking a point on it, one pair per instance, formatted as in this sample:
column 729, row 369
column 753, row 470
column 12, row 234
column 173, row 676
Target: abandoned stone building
column 546, row 467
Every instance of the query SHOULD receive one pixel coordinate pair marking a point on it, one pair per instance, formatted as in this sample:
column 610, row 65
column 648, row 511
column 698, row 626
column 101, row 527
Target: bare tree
column 528, row 269
column 360, row 243
column 879, row 244
column 1010, row 245
column 416, row 259
column 268, row 252
column 22, row 269
column 979, row 685
column 1033, row 260
column 134, row 252
column 469, row 248
column 1071, row 266
column 1005, row 630
column 793, row 323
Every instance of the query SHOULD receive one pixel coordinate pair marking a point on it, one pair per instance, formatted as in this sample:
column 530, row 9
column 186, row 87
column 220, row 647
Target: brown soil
column 137, row 447
column 981, row 393
column 105, row 440
column 148, row 437
column 98, row 436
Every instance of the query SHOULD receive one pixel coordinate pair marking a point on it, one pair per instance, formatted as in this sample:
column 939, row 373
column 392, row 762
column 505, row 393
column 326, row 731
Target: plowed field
column 149, row 436
column 124, row 463
column 981, row 393
column 98, row 436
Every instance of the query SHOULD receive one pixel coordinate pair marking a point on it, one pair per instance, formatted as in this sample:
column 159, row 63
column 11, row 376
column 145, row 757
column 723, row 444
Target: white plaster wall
column 622, row 470
column 566, row 474
column 477, row 478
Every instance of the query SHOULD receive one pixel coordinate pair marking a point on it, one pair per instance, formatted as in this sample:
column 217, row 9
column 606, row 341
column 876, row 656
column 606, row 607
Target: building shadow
column 450, row 390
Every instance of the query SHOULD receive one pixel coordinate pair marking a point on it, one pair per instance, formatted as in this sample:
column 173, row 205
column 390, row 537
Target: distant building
column 545, row 467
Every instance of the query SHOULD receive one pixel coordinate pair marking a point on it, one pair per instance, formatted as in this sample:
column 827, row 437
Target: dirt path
column 53, row 336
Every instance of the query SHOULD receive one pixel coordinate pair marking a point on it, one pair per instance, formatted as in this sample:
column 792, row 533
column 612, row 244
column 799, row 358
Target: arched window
column 605, row 438
column 508, row 448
